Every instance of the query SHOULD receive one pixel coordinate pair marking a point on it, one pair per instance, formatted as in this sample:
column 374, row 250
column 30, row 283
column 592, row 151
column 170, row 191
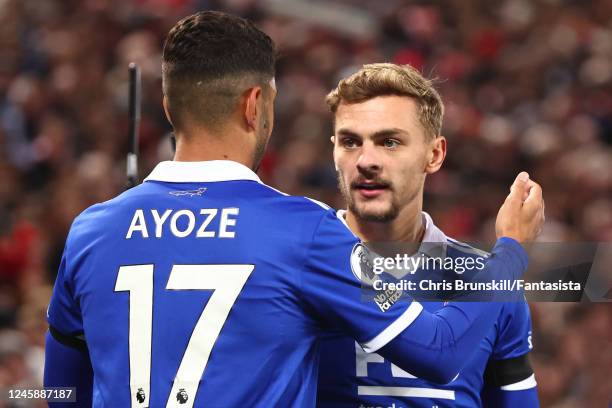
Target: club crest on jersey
column 362, row 264
column 189, row 193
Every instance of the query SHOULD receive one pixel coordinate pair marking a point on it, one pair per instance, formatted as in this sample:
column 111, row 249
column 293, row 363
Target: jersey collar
column 432, row 232
column 201, row 172
column 434, row 240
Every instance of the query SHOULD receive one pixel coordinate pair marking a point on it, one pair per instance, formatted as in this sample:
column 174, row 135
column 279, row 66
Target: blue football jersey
column 204, row 287
column 350, row 377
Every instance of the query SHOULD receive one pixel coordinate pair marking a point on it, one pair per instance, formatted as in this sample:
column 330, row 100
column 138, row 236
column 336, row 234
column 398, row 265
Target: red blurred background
column 527, row 85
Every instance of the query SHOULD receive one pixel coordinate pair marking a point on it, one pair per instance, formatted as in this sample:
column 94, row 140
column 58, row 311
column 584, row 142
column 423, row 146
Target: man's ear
column 333, row 140
column 166, row 110
column 251, row 98
column 436, row 155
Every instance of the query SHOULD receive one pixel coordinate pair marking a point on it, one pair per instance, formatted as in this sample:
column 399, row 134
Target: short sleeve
column 64, row 314
column 509, row 368
column 514, row 332
column 331, row 287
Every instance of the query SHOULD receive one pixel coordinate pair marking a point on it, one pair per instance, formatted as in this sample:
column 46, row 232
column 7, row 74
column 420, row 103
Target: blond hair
column 383, row 79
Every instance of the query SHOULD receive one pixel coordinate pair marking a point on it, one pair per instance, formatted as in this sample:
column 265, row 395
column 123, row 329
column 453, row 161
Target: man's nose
column 368, row 161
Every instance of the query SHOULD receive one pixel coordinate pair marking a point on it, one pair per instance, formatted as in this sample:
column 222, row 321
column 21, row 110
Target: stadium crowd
column 527, row 85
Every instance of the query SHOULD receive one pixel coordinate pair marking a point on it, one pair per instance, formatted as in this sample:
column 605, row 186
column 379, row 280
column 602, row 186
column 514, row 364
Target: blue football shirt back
column 205, row 287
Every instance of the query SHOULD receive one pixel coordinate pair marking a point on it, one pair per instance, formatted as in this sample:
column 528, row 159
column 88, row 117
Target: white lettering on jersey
column 159, row 221
column 210, row 214
column 529, row 341
column 399, row 373
column 138, row 224
column 227, row 222
column 183, row 223
column 190, row 223
column 363, row 359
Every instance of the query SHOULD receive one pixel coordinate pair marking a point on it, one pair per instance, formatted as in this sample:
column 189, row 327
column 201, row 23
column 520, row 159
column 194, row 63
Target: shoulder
column 305, row 203
column 459, row 248
column 515, row 311
column 314, row 221
column 92, row 215
column 105, row 217
column 300, row 210
column 511, row 312
column 513, row 331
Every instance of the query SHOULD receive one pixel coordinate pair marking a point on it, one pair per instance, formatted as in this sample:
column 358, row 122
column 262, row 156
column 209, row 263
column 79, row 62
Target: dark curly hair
column 209, row 59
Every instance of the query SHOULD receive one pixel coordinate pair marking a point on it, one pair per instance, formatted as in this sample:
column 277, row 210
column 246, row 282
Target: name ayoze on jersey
column 183, row 223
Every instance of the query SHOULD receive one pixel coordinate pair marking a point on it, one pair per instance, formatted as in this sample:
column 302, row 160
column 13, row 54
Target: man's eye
column 391, row 143
column 349, row 143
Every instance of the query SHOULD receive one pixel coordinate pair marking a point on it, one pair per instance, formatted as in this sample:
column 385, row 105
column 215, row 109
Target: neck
column 203, row 145
column 406, row 227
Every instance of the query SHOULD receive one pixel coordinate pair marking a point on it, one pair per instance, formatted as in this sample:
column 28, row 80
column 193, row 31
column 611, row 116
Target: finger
column 518, row 189
column 535, row 193
column 530, row 184
column 534, row 200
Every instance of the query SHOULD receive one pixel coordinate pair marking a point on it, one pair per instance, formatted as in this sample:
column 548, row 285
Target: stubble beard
column 385, row 215
column 263, row 135
column 258, row 154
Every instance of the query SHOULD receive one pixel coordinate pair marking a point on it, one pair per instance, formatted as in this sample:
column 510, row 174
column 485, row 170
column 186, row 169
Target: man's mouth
column 370, row 189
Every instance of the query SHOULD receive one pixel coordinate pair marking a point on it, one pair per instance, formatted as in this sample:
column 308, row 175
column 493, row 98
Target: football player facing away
column 387, row 139
column 202, row 286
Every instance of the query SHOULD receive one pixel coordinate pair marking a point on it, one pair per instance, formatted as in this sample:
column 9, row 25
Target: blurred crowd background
column 527, row 85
